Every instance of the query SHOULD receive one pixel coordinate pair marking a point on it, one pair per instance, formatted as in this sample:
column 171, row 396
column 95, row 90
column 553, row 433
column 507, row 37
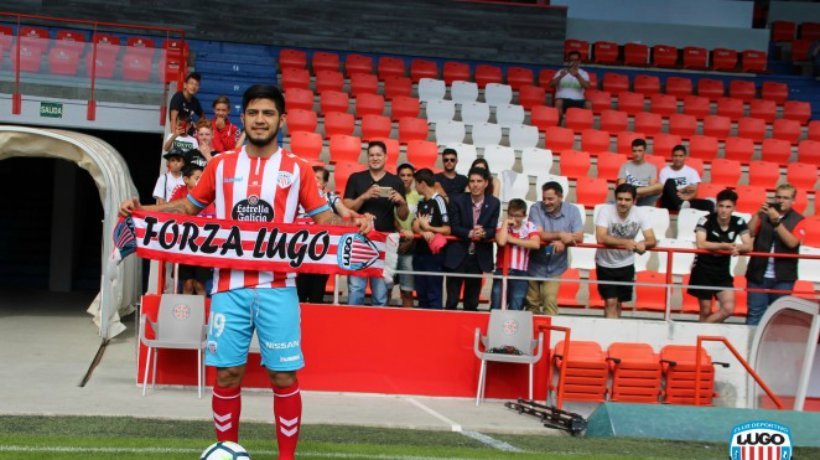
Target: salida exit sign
column 51, row 109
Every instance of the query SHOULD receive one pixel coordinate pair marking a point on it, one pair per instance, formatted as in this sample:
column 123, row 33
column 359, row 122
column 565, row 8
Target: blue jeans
column 758, row 302
column 356, row 286
column 516, row 291
column 428, row 288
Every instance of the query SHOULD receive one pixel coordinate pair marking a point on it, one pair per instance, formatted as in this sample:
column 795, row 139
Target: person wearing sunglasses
column 451, row 182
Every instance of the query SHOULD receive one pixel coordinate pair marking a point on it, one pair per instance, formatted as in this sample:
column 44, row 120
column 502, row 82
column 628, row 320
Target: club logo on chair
column 760, row 440
column 510, row 327
column 182, row 312
column 356, row 252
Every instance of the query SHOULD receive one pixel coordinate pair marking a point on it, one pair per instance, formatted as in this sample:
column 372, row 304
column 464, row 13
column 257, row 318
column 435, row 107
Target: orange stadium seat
column 404, row 106
column 742, row 89
column 375, row 126
column 423, row 68
column 568, row 291
column 358, row 63
column 636, row 373
column 750, row 197
column 593, row 140
column 422, row 154
column 530, row 96
column 636, row 54
column 543, row 117
column 631, row 103
column 658, row 160
column 646, row 84
column 752, row 128
column 783, row 31
column 294, row 77
column 753, row 61
column 578, row 119
column 697, row 106
column 679, row 365
column 590, row 191
column 290, row 58
column 329, row 80
column 662, row 143
column 801, row 201
column 342, row 172
column 604, row 52
column 594, row 300
column 615, row 82
column 808, row 151
column 574, row 164
column 725, row 173
column 696, row 164
column 397, row 86
column 739, row 148
column 545, row 76
column 776, row 150
column 453, row 71
column 580, row 46
column 598, row 100
column 307, row 145
column 389, row 66
column 613, row 120
column 302, row 120
column 812, row 237
column 711, row 88
column 709, row 190
column 325, row 60
column 814, row 130
column 774, row 91
column 299, row 98
column 650, row 298
column 334, row 101
column 679, row 86
column 586, row 371
column 730, row 107
column 797, row 110
column 683, row 124
column 363, row 83
column 518, row 77
column 345, row 149
column 648, row 123
column 703, row 147
column 787, row 130
column 724, row 59
column 763, row 108
column 559, row 139
column 485, row 73
column 369, row 104
column 717, row 126
column 695, row 57
column 663, row 104
column 609, row 164
column 802, row 175
column 339, row 123
column 413, row 129
column 624, row 140
column 664, row 56
column 764, row 174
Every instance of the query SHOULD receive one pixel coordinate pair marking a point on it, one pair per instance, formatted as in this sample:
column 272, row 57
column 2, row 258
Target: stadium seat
column 695, row 57
column 663, row 143
column 631, row 103
column 797, row 110
column 725, row 172
column 497, row 94
column 413, row 129
column 500, row 158
column 753, row 61
column 307, row 145
column 730, row 107
column 802, row 175
column 580, row 46
column 664, row 56
column 475, row 112
column 683, row 125
column 679, row 365
column 534, row 159
column 422, row 154
column 302, row 120
column 749, row 198
column 376, row 126
column 648, row 123
column 752, row 128
column 105, row 63
column 615, row 82
column 440, row 110
column 463, row 91
column 431, row 89
column 646, row 84
column 299, row 98
column 724, row 59
column 783, row 31
column 590, row 191
column 530, row 96
column 742, row 89
column 593, row 80
column 658, row 160
column 363, row 83
column 574, row 163
column 543, row 117
column 334, row 101
column 578, row 119
column 523, row 136
column 636, row 54
column 404, row 106
column 455, row 71
column 703, row 147
column 568, row 289
column 358, row 63
column 808, row 151
column 679, row 86
column 545, row 76
column 636, row 373
column 594, row 140
column 395, row 86
column 663, row 104
column 711, row 88
column 586, row 370
column 687, row 221
column 763, row 108
column 559, row 139
column 764, row 174
column 63, row 61
column 329, row 80
column 717, row 126
column 809, row 31
column 696, row 164
column 697, row 106
column 324, row 60
column 486, row 134
column 345, row 149
column 739, row 149
column 609, row 164
column 450, row 132
column 787, row 130
column 293, row 77
column 485, row 73
column 604, row 52
column 389, row 67
column 612, row 120
column 777, row 151
column 368, row 104
column 341, row 173
column 650, row 298
column 519, row 77
column 467, row 153
column 290, row 58
column 709, row 190
column 800, row 50
column 801, row 202
column 623, row 143
column 423, row 68
column 584, row 258
column 135, row 67
column 598, row 100
column 339, row 123
column 774, row 91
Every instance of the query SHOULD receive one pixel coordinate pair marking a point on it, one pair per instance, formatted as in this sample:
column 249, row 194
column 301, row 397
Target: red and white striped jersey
column 520, row 257
column 246, row 188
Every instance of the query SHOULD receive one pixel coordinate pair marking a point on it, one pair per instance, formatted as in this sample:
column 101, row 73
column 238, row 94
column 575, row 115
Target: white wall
column 723, row 13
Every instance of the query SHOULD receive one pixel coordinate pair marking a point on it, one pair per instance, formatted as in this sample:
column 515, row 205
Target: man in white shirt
column 181, row 138
column 678, row 184
column 570, row 83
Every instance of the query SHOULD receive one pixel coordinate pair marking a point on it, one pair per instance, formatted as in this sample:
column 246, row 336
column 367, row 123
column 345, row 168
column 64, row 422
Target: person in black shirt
column 378, row 193
column 718, row 231
column 451, row 182
column 185, row 101
column 431, row 219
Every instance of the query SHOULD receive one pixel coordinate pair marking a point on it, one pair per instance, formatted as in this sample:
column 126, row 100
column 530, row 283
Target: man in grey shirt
column 640, row 174
column 561, row 226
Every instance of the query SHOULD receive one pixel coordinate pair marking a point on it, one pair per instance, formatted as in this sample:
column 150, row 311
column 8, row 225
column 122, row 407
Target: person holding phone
column 570, row 83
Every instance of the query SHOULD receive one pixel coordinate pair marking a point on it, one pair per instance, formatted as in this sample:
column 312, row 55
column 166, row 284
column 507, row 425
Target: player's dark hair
column 449, row 151
column 195, row 75
column 377, row 144
column 517, row 204
column 679, row 148
column 479, row 171
column 727, row 194
column 640, row 142
column 425, row 176
column 325, row 172
column 190, row 169
column 554, row 186
column 626, row 188
column 264, row 92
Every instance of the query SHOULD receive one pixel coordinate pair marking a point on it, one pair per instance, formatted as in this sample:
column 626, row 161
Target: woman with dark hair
column 494, row 187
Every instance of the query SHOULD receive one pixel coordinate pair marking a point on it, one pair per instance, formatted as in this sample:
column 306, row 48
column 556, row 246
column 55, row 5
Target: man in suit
column 473, row 219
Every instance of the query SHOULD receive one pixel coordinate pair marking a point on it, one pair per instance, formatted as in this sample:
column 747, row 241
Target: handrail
column 716, row 338
column 562, row 373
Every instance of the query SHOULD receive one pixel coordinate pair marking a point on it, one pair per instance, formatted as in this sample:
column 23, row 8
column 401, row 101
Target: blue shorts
column 274, row 313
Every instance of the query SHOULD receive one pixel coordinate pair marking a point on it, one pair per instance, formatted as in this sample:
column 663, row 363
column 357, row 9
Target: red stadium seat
column 623, row 143
column 7, row 34
column 35, row 37
column 135, row 67
column 797, row 110
column 609, row 164
column 695, row 57
column 325, row 60
column 574, row 164
column 485, row 73
column 613, row 121
column 776, row 150
column 455, row 71
column 63, row 61
column 422, row 154
column 764, row 174
column 697, row 106
column 787, row 130
column 774, row 91
column 106, row 63
column 696, row 164
column 568, row 291
column 69, row 39
column 717, row 126
column 646, row 84
column 397, row 86
column 375, row 126
column 404, row 106
column 358, row 63
column 307, row 145
column 810, row 31
column 345, row 150
column 658, row 160
column 413, row 129
column 751, row 128
column 753, row 61
column 545, row 76
column 369, row 104
column 703, row 147
column 763, row 108
column 334, row 101
column 299, row 98
column 542, row 117
column 648, row 123
column 136, row 44
column 663, row 104
column 814, row 130
column 651, row 298
column 742, row 89
column 709, row 190
column 302, row 120
column 604, row 52
column 593, row 80
column 580, row 46
column 724, row 59
column 725, row 173
column 636, row 54
column 423, row 68
column 341, row 174
column 578, row 119
column 530, row 96
column 730, row 107
column 711, row 88
column 683, row 124
column 783, row 31
column 739, row 149
column 679, row 86
column 290, row 58
column 329, row 80
column 593, row 140
column 664, row 56
column 615, row 82
column 590, row 191
column 749, row 198
column 339, row 123
column 390, row 67
column 559, row 139
column 662, row 143
column 598, row 100
column 519, row 77
column 363, row 83
column 631, row 103
column 802, row 175
column 293, row 77
column 800, row 50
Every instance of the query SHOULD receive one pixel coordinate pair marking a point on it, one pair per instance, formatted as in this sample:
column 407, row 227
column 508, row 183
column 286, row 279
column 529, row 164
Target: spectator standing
column 560, row 226
column 617, row 225
column 224, row 132
column 451, row 182
column 381, row 194
column 172, row 178
column 406, row 172
column 519, row 237
column 494, row 185
column 473, row 218
column 433, row 223
column 185, row 101
column 181, row 139
column 774, row 229
column 678, row 184
column 718, row 231
column 570, row 84
column 641, row 174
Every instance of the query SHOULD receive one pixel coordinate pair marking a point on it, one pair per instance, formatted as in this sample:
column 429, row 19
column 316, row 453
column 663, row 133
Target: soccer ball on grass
column 225, row 450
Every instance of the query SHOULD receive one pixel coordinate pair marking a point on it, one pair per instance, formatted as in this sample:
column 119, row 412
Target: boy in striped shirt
column 518, row 236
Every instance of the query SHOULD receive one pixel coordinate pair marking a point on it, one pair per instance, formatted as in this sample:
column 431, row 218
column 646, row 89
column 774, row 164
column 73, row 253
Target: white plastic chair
column 508, row 115
column 473, row 113
column 467, row 153
column 463, row 91
column 681, row 262
column 484, row 134
column 659, row 218
column 536, row 161
column 541, row 179
column 449, row 132
column 499, row 157
column 431, row 89
column 497, row 94
column 439, row 110
column 515, row 186
column 583, row 258
column 180, row 325
column 809, row 270
column 507, row 328
column 687, row 221
column 523, row 137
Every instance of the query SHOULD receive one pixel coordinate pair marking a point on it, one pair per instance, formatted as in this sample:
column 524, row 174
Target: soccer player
column 242, row 301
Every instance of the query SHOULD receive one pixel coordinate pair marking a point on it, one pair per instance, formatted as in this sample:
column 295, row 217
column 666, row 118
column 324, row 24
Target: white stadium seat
column 497, row 94
column 523, row 136
column 509, row 115
column 486, row 134
column 449, row 132
column 439, row 110
column 466, row 155
column 473, row 113
column 535, row 160
column 431, row 89
column 499, row 157
column 463, row 91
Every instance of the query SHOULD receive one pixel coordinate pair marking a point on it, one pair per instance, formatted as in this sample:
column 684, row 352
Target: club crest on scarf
column 356, row 252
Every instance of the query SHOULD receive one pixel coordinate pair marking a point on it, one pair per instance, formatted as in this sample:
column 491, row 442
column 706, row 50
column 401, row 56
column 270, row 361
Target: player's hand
column 129, row 205
column 640, row 247
column 364, row 223
column 558, row 247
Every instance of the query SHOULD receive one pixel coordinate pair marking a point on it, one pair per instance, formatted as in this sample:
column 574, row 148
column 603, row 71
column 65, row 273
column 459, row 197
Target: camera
column 775, row 206
column 384, row 192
